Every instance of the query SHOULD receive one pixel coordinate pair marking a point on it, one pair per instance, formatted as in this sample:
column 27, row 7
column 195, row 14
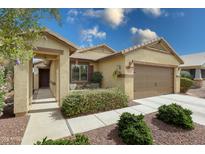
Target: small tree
column 19, row 28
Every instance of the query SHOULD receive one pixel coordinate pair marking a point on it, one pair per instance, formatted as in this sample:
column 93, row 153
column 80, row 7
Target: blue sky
column 184, row 29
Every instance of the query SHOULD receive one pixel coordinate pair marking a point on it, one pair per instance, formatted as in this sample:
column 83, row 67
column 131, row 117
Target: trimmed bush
column 185, row 84
column 186, row 74
column 97, row 77
column 133, row 130
column 91, row 101
column 79, row 140
column 176, row 115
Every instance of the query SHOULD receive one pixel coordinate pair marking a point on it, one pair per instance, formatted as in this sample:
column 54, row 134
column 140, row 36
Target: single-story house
column 195, row 65
column 148, row 69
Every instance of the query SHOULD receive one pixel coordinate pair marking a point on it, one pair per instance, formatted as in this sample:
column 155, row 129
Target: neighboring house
column 148, row 69
column 195, row 64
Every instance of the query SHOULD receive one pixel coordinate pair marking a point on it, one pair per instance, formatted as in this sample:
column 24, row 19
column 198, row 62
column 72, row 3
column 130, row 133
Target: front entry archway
column 50, row 47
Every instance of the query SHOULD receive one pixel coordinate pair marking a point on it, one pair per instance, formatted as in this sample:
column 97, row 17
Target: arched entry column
column 22, row 88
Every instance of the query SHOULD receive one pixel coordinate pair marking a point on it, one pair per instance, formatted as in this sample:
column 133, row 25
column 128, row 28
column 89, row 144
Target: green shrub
column 185, row 84
column 133, row 130
column 92, row 101
column 186, row 74
column 97, row 77
column 176, row 115
column 79, row 140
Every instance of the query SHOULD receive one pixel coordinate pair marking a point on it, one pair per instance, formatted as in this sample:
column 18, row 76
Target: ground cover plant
column 79, row 140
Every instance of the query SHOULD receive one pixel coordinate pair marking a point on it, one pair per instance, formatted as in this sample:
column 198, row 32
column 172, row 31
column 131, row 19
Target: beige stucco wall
column 21, row 88
column 36, row 78
column 148, row 56
column 95, row 66
column 145, row 55
column 52, row 82
column 107, row 67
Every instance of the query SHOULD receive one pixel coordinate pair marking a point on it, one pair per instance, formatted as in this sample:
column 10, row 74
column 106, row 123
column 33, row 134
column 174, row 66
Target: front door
column 44, row 77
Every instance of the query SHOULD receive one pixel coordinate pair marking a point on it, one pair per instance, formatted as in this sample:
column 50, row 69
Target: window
column 79, row 72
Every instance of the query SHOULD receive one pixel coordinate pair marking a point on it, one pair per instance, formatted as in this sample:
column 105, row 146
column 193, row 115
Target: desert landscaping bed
column 12, row 129
column 162, row 133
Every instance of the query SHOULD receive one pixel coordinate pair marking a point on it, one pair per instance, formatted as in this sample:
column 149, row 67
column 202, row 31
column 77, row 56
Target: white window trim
column 79, row 73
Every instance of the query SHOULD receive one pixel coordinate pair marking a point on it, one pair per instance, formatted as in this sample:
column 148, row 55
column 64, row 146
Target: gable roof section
column 61, row 39
column 197, row 59
column 95, row 47
column 82, row 53
column 148, row 43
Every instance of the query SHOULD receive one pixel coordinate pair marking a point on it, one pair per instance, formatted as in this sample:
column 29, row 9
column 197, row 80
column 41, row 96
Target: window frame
column 79, row 66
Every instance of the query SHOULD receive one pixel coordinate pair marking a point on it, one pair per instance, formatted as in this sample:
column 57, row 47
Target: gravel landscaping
column 162, row 133
column 12, row 129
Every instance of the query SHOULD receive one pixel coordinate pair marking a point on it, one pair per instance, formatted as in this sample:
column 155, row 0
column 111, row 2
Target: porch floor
column 45, row 119
column 43, row 100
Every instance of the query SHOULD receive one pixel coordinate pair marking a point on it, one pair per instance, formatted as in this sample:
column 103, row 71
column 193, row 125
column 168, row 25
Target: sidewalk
column 53, row 125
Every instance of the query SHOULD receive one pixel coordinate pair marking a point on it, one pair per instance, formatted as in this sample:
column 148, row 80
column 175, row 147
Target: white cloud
column 93, row 13
column 88, row 35
column 72, row 15
column 156, row 12
column 112, row 16
column 142, row 35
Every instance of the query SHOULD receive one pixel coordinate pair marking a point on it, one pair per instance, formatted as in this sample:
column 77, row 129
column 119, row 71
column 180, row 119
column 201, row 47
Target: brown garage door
column 152, row 81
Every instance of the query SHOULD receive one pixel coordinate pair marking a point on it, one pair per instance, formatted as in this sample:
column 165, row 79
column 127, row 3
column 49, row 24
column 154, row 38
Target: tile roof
column 196, row 59
column 141, row 45
column 96, row 46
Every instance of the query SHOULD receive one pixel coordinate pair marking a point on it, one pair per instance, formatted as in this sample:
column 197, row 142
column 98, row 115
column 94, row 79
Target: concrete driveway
column 197, row 105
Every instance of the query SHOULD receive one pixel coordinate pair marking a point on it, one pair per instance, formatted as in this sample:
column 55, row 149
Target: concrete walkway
column 45, row 119
column 53, row 125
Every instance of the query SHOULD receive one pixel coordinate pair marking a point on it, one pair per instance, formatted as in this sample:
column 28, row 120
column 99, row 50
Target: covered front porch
column 56, row 51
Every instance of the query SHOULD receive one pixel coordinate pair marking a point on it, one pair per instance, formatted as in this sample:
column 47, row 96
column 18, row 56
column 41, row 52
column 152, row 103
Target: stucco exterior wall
column 145, row 55
column 107, row 67
column 52, row 82
column 95, row 66
column 21, row 88
column 36, row 79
